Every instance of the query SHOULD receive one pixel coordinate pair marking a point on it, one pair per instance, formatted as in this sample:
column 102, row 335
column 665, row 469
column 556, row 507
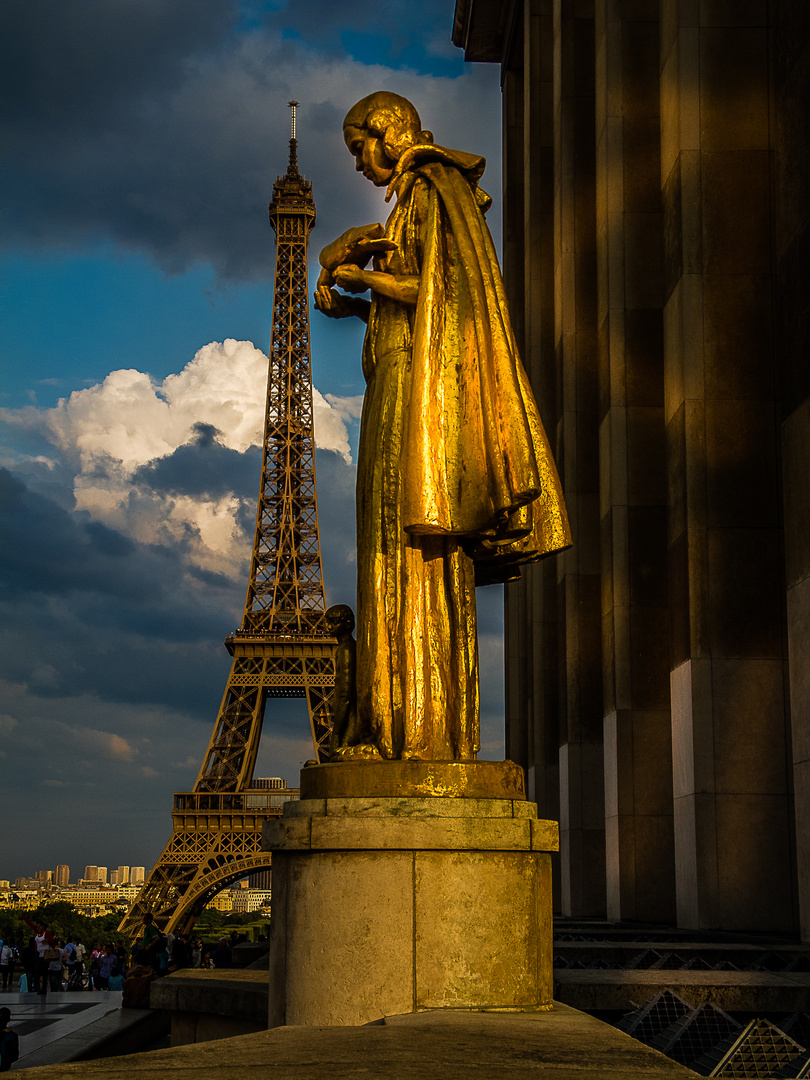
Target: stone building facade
column 657, row 255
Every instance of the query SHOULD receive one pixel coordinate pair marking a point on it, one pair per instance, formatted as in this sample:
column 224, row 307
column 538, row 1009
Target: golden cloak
column 485, row 472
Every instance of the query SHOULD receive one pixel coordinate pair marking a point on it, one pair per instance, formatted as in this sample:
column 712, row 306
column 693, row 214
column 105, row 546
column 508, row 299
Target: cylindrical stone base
column 391, row 905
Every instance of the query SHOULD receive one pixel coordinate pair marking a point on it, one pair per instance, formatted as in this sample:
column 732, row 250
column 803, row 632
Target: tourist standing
column 7, row 963
column 28, row 957
column 107, row 965
column 222, row 956
column 53, row 955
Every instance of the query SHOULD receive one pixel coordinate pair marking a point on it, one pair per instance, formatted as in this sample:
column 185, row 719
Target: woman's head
column 378, row 130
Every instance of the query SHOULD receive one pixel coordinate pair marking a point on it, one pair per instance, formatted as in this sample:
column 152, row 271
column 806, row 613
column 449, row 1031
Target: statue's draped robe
column 456, row 483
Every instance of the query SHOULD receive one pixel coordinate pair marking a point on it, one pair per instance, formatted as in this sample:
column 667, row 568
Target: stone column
column 531, row 622
column 791, row 251
column 633, row 510
column 582, row 834
column 732, row 810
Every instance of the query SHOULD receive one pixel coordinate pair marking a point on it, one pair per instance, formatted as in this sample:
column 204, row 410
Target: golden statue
column 456, row 485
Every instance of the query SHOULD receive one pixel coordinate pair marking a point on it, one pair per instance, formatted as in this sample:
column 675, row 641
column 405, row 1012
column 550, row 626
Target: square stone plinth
column 397, row 905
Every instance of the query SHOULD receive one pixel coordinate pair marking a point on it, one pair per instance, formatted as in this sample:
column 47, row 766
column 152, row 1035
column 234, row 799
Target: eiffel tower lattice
column 282, row 649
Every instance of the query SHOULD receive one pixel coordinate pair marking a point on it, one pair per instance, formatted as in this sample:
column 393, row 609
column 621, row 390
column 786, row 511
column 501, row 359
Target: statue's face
column 369, row 155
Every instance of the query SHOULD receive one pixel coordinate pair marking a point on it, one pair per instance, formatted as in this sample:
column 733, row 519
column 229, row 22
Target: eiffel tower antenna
column 281, row 649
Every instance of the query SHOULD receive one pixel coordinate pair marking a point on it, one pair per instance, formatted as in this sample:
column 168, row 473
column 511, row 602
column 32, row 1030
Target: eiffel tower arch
column 281, row 649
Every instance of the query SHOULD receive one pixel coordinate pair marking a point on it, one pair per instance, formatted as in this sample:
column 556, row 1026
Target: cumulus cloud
column 7, row 725
column 161, row 463
column 103, row 744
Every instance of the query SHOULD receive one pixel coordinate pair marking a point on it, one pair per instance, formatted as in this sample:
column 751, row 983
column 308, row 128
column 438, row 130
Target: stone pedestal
column 392, row 903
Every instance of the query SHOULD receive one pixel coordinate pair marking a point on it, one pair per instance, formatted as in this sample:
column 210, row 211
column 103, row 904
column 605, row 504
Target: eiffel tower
column 281, row 649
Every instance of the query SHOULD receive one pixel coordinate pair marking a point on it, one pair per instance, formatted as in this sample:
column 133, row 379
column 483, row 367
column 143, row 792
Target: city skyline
column 142, row 148
column 134, row 875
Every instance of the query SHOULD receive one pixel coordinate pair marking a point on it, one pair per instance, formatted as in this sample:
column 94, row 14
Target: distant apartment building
column 137, row 875
column 103, row 896
column 123, row 875
column 90, row 873
column 250, row 899
column 221, row 902
column 62, row 875
column 44, row 877
column 262, row 879
column 102, row 874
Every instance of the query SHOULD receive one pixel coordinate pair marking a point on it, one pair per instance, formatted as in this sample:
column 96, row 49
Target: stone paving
column 40, row 1022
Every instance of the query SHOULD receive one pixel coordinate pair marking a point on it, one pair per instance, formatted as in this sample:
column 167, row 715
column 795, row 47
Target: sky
column 141, row 139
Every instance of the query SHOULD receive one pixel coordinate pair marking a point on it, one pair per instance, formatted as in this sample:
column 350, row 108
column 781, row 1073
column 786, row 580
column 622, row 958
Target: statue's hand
column 351, row 278
column 332, row 304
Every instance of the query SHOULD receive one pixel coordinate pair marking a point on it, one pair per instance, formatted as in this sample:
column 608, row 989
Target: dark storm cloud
column 48, row 551
column 160, row 125
column 203, row 468
column 69, row 66
column 88, row 612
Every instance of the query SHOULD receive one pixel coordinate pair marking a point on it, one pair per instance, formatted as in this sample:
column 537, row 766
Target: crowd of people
column 46, row 962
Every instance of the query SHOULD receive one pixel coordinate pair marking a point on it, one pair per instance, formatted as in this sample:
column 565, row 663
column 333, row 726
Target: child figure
column 348, row 739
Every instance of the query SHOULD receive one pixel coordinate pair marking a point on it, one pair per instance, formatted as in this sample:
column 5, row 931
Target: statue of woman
column 455, row 485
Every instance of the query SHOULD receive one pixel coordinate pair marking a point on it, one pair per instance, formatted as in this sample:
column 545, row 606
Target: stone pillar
column 732, row 809
column 387, row 903
column 582, row 834
column 633, row 510
column 531, row 621
column 791, row 251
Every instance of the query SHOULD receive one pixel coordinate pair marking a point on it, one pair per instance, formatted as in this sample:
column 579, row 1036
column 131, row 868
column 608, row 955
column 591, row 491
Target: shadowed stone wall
column 657, row 256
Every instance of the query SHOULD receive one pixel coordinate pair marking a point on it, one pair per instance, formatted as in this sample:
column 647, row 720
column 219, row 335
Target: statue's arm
column 396, row 286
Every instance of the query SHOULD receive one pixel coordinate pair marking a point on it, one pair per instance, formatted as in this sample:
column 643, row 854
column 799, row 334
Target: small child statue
column 348, row 739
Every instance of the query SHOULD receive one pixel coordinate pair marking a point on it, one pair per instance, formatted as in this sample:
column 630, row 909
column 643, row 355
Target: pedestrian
column 7, row 963
column 9, row 1041
column 53, row 956
column 138, row 982
column 162, row 953
column 150, row 941
column 181, row 953
column 222, row 956
column 43, row 940
column 94, row 972
column 79, row 967
column 107, row 965
column 28, row 957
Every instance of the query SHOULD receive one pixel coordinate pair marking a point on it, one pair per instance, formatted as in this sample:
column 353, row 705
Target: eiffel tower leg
column 234, row 744
column 215, row 842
